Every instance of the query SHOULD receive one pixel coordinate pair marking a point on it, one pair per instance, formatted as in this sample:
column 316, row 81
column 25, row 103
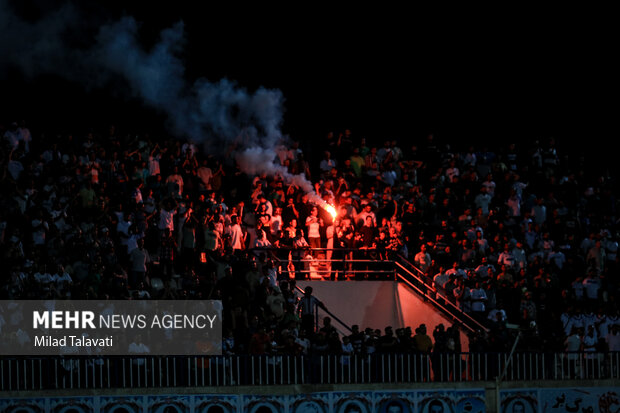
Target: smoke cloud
column 219, row 115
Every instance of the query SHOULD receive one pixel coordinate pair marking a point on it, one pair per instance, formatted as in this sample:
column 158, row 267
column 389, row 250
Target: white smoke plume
column 217, row 115
column 256, row 161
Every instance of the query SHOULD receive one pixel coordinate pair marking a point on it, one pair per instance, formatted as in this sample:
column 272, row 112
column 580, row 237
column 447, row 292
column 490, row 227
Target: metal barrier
column 386, row 265
column 27, row 374
column 333, row 263
column 318, row 310
column 414, row 278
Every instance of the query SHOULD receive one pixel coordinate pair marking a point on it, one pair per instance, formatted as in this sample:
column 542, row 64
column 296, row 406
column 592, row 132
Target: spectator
column 307, row 307
column 422, row 259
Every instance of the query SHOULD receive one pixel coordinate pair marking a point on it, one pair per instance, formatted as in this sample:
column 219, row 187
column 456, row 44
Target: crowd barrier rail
column 49, row 373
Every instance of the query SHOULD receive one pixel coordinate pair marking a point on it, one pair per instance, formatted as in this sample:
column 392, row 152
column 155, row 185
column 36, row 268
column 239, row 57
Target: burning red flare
column 332, row 211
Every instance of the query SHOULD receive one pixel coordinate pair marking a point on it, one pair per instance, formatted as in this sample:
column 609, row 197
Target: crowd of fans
column 512, row 235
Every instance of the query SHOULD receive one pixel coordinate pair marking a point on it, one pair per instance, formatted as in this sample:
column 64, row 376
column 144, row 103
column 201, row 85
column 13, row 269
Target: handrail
column 331, row 315
column 453, row 311
column 111, row 372
column 434, row 302
column 378, row 267
column 409, row 264
column 415, row 281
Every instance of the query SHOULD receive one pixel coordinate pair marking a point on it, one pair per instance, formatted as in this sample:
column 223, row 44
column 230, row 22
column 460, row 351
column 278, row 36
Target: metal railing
column 334, row 263
column 33, row 374
column 414, row 278
column 363, row 264
column 318, row 309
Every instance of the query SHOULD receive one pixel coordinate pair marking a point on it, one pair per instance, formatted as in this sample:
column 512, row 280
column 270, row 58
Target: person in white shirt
column 276, row 223
column 506, row 258
column 590, row 342
column 153, row 161
column 572, row 345
column 514, row 204
column 482, row 270
column 138, row 347
column 489, row 184
column 139, row 258
column 452, row 172
column 44, row 278
column 261, row 241
column 313, row 224
column 327, row 163
column 495, row 313
column 456, row 271
column 422, row 259
column 166, row 215
column 234, row 231
column 613, row 338
column 440, row 280
column 603, row 325
column 577, row 287
column 557, row 258
column 347, row 350
column 520, row 257
column 478, row 301
column 577, row 320
column 592, row 285
column 175, row 184
column 205, row 174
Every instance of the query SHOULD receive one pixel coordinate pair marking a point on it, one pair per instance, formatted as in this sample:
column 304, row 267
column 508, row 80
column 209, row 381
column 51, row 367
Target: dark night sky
column 384, row 74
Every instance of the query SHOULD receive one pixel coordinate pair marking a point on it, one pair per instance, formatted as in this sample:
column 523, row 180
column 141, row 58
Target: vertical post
column 189, row 370
column 427, row 360
column 383, row 368
column 329, row 370
column 350, row 367
column 253, row 377
column 303, row 377
column 174, row 372
column 237, row 362
column 409, row 368
column 441, row 367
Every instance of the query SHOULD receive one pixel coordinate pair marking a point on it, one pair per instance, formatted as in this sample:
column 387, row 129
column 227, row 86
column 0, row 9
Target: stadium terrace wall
column 480, row 397
column 400, row 306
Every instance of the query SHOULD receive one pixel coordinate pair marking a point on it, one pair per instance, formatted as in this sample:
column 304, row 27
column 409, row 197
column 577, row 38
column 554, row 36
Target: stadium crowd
column 512, row 235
